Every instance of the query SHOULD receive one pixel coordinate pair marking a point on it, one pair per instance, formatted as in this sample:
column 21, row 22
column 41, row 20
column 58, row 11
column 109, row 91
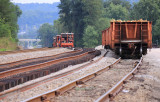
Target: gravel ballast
column 94, row 88
column 28, row 55
column 145, row 86
column 23, row 95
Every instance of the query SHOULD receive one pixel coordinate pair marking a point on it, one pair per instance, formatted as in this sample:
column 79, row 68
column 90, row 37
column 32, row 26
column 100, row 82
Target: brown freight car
column 128, row 37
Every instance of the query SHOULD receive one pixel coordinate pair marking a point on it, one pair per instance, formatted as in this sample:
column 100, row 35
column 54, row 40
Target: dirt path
column 145, row 87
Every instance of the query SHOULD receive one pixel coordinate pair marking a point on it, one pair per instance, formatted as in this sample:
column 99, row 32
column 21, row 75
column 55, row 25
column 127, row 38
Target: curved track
column 22, row 51
column 97, row 83
column 13, row 77
column 33, row 61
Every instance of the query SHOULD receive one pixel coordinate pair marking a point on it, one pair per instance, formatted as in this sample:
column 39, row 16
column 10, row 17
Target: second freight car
column 64, row 40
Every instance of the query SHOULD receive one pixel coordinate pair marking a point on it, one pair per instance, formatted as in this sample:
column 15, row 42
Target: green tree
column 156, row 34
column 78, row 14
column 46, row 34
column 147, row 10
column 102, row 25
column 90, row 37
column 59, row 27
column 123, row 3
column 117, row 12
column 4, row 29
column 66, row 14
column 10, row 13
column 92, row 12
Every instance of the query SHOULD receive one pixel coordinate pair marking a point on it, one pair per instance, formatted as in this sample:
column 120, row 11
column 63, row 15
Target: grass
column 7, row 44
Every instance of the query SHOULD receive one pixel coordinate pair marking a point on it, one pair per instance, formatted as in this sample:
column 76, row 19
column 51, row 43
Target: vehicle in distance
column 64, row 40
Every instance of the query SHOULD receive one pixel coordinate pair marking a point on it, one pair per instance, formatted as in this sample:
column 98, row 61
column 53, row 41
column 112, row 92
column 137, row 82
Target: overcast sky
column 34, row 1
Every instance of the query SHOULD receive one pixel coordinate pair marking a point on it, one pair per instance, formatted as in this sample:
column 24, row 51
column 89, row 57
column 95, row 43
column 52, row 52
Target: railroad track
column 13, row 77
column 93, row 86
column 22, row 51
column 33, row 61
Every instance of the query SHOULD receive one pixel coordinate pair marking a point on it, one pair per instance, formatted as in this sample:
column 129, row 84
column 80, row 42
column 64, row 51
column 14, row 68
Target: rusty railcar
column 128, row 37
column 64, row 40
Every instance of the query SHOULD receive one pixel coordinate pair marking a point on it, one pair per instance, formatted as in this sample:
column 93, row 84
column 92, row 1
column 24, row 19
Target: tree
column 123, row 3
column 65, row 13
column 117, row 12
column 78, row 14
column 156, row 34
column 147, row 10
column 59, row 27
column 4, row 29
column 46, row 34
column 10, row 13
column 102, row 25
column 90, row 37
column 92, row 12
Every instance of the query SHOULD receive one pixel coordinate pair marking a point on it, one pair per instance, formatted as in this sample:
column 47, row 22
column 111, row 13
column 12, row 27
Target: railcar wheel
column 141, row 51
column 120, row 51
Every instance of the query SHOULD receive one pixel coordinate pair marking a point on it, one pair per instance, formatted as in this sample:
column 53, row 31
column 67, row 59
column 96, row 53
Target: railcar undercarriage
column 131, row 50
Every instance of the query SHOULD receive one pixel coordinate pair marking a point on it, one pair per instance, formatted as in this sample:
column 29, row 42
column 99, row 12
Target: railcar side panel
column 131, row 36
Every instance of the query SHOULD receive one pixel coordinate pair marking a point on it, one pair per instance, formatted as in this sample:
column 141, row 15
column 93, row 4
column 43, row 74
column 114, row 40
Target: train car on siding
column 128, row 38
column 64, row 40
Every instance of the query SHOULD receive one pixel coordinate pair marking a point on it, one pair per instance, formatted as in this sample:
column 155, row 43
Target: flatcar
column 128, row 38
column 64, row 40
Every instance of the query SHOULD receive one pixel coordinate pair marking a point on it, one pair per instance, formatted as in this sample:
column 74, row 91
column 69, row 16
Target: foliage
column 89, row 39
column 5, row 30
column 103, row 24
column 59, row 27
column 148, row 10
column 46, row 34
column 117, row 12
column 7, row 44
column 156, row 34
column 9, row 14
column 78, row 14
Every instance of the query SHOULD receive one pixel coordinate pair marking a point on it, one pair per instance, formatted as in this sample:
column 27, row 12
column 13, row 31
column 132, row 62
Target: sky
column 35, row 1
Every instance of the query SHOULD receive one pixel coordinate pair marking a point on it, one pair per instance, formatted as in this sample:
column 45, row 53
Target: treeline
column 9, row 14
column 87, row 18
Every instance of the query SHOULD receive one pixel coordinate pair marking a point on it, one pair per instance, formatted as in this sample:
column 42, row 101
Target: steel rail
column 109, row 95
column 68, row 86
column 23, row 51
column 51, row 78
column 37, row 59
column 12, row 72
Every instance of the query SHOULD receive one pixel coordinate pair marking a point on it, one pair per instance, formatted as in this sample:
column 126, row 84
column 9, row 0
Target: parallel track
column 107, row 96
column 11, row 78
column 33, row 61
column 22, row 51
column 26, row 87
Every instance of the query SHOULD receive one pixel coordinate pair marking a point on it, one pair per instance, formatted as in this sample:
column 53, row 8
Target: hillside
column 35, row 14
